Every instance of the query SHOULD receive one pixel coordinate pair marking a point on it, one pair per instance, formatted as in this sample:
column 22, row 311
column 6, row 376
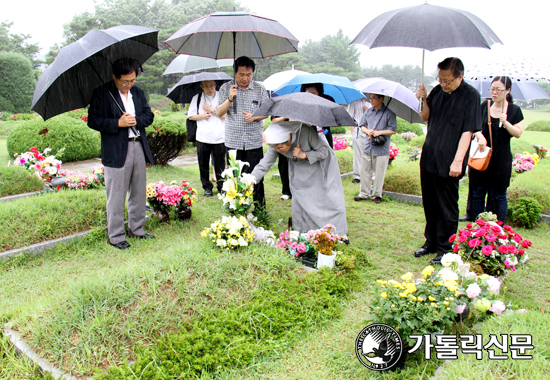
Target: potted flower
column 394, row 152
column 188, row 199
column 230, row 232
column 490, row 248
column 324, row 241
column 163, row 198
column 238, row 187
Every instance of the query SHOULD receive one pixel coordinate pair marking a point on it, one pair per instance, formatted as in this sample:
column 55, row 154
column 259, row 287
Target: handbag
column 481, row 164
column 379, row 140
column 192, row 124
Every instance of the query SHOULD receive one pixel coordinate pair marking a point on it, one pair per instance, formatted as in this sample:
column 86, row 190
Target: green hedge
column 403, row 177
column 17, row 180
column 534, row 184
column 404, row 126
column 166, row 139
column 79, row 141
column 18, row 82
column 540, row 125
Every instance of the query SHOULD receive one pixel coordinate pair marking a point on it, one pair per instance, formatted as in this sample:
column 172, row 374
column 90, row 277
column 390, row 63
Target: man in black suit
column 120, row 112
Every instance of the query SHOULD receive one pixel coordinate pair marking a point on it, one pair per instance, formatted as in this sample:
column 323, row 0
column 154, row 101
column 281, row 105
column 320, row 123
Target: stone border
column 404, row 198
column 15, row 197
column 24, row 349
column 38, row 248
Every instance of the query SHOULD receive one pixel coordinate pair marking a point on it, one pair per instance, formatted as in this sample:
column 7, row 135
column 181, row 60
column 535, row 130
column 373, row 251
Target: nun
column 314, row 175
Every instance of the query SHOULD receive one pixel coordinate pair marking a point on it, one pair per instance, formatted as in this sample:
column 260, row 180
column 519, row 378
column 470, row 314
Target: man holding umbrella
column 453, row 113
column 243, row 132
column 120, row 112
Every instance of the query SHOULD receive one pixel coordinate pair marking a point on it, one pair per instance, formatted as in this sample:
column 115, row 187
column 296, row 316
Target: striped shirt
column 238, row 133
column 383, row 119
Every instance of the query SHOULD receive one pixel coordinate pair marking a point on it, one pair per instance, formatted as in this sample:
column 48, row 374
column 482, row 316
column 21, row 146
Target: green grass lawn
column 531, row 115
column 179, row 275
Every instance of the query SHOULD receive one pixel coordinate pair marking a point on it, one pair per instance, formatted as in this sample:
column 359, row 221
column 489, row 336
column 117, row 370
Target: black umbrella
column 307, row 108
column 190, row 85
column 428, row 27
column 84, row 65
column 233, row 34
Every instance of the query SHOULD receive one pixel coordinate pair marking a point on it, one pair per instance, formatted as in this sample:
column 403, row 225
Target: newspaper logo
column 379, row 347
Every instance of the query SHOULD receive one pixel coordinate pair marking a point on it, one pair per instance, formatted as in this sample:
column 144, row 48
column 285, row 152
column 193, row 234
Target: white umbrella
column 518, row 69
column 274, row 81
column 521, row 90
column 185, row 63
column 403, row 101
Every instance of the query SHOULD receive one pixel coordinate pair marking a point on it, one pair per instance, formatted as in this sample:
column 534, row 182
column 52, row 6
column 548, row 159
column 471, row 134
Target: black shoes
column 436, row 260
column 121, row 245
column 208, row 193
column 356, row 180
column 377, row 200
column 424, row 250
column 146, row 236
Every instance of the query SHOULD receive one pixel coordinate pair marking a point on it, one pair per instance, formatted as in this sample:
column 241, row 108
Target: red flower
column 500, row 223
column 469, row 225
column 474, row 243
column 503, row 237
column 481, row 232
column 462, row 238
column 521, row 252
column 513, row 250
column 526, row 243
column 456, row 248
column 452, row 238
column 84, row 118
column 517, row 238
column 490, row 238
column 503, row 249
column 496, row 229
column 480, row 222
column 58, row 187
column 486, row 250
column 507, row 228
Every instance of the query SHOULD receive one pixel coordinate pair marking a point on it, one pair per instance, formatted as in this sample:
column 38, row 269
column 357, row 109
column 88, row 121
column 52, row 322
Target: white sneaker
column 285, row 197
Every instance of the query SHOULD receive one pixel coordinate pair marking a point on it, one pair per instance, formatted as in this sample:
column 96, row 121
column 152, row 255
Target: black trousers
column 253, row 157
column 217, row 151
column 283, row 172
column 440, row 201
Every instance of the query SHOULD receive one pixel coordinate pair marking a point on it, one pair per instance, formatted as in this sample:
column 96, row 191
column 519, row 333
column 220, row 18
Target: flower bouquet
column 413, row 153
column 78, row 180
column 394, row 152
column 408, row 136
column 238, row 187
column 541, row 151
column 99, row 173
column 163, row 198
column 230, row 232
column 324, row 241
column 45, row 167
column 490, row 248
column 525, row 162
column 299, row 246
column 340, row 144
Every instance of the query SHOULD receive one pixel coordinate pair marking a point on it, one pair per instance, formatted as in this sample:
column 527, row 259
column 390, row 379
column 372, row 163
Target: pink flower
column 301, row 247
column 293, row 245
column 507, row 264
column 512, row 249
column 503, row 249
column 490, row 238
column 496, row 229
column 460, row 309
column 480, row 222
column 517, row 238
column 474, row 243
column 473, row 290
column 498, row 307
column 486, row 250
column 526, row 244
column 462, row 238
column 469, row 225
column 281, row 245
column 481, row 232
column 452, row 238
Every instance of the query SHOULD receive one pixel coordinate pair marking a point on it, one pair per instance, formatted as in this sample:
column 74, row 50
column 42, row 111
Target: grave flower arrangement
column 99, row 173
column 394, row 152
column 44, row 166
column 525, row 162
column 541, row 151
column 296, row 244
column 490, row 248
column 413, row 153
column 163, row 197
column 238, row 187
column 408, row 136
column 77, row 180
column 323, row 240
column 340, row 144
column 230, row 232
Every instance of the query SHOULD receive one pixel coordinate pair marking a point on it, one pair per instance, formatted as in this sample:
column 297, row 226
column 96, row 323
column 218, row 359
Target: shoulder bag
column 481, row 164
column 192, row 124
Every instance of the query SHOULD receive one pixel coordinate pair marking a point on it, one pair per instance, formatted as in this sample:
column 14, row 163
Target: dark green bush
column 404, row 126
column 540, row 125
column 175, row 107
column 336, row 130
column 77, row 114
column 403, row 177
column 17, row 82
column 525, row 211
column 6, row 107
column 166, row 139
column 17, row 180
column 79, row 141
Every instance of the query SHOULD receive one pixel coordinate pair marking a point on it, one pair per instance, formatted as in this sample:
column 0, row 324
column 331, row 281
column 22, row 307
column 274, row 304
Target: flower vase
column 183, row 213
column 325, row 260
column 390, row 161
column 161, row 215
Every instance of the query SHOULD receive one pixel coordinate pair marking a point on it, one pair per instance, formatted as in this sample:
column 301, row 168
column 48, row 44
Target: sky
column 521, row 25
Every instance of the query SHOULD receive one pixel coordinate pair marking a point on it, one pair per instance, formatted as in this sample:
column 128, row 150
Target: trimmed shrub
column 336, row 130
column 540, row 125
column 77, row 114
column 25, row 116
column 526, row 212
column 79, row 141
column 403, row 177
column 404, row 126
column 17, row 82
column 166, row 139
column 17, row 180
column 175, row 107
column 418, row 141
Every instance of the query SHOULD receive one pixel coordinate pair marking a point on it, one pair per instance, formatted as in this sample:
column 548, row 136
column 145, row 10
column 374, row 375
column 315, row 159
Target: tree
column 408, row 75
column 16, row 43
column 17, row 82
column 332, row 55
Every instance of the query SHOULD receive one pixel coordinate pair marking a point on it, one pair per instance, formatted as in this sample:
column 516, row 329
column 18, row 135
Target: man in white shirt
column 210, row 135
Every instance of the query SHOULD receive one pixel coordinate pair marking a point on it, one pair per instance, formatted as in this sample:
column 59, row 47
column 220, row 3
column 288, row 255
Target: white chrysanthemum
column 512, row 259
column 447, row 274
column 449, row 258
column 524, row 258
column 493, row 285
column 221, row 243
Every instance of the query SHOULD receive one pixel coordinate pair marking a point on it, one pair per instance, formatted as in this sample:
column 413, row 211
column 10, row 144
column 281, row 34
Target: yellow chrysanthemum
column 427, row 271
column 432, row 299
column 420, row 299
column 383, row 294
column 407, row 276
column 381, row 282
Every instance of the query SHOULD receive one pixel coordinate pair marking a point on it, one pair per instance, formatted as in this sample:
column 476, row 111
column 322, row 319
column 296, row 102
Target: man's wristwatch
column 230, row 101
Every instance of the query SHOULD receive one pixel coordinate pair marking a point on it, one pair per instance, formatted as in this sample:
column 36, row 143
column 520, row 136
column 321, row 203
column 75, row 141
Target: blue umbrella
column 340, row 88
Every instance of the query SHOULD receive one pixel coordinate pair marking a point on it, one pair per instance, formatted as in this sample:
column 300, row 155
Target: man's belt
column 137, row 138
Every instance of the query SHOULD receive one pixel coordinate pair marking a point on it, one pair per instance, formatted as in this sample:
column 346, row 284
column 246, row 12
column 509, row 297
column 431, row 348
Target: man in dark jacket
column 120, row 112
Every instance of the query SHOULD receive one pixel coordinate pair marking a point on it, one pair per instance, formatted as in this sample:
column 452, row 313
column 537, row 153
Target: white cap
column 278, row 133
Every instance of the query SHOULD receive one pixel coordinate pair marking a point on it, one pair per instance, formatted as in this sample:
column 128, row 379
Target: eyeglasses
column 497, row 90
column 444, row 82
column 127, row 82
